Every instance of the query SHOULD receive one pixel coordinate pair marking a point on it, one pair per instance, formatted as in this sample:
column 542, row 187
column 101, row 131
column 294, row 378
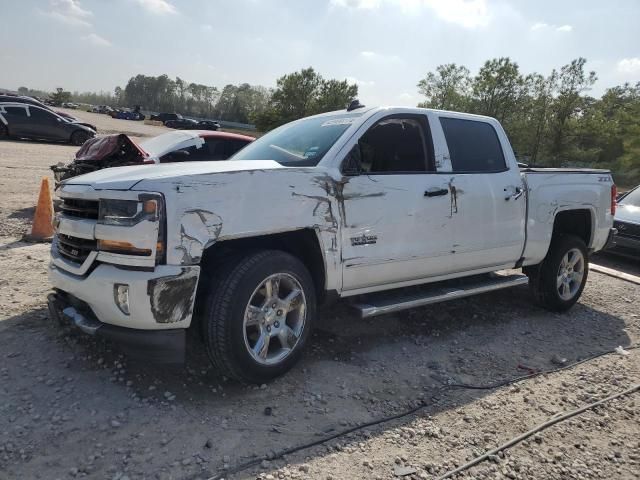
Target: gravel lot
column 74, row 407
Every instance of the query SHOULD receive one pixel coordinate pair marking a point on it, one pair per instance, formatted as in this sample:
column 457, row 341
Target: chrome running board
column 400, row 299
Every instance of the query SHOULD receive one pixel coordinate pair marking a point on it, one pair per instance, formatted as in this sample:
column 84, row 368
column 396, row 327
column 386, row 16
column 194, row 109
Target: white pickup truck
column 387, row 208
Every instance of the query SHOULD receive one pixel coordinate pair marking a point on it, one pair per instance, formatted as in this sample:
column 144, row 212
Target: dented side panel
column 209, row 208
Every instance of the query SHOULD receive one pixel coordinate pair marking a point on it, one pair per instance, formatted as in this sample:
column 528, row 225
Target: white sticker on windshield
column 339, row 121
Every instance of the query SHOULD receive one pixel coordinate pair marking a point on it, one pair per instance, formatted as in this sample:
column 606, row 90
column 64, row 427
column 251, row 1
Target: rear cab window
column 474, row 146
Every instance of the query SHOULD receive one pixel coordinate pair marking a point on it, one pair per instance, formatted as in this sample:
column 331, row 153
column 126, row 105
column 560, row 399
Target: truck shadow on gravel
column 66, row 393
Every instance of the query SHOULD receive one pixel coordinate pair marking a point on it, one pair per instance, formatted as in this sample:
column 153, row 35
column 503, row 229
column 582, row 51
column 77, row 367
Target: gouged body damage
column 211, row 208
column 198, row 228
column 172, row 297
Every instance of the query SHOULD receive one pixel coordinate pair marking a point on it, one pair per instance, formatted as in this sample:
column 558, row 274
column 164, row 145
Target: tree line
column 551, row 120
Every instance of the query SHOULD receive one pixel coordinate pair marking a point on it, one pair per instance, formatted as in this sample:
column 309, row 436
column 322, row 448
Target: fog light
column 121, row 297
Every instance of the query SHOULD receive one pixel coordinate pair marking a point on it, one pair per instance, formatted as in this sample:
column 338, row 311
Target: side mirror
column 352, row 163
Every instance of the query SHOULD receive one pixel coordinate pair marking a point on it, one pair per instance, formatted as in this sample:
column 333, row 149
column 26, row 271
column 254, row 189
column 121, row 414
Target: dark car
column 22, row 120
column 190, row 124
column 32, row 101
column 627, row 221
column 182, row 124
column 178, row 146
column 165, row 117
column 208, row 125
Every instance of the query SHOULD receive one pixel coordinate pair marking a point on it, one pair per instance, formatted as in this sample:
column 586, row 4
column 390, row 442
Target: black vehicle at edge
column 165, row 117
column 190, row 124
column 627, row 222
column 23, row 120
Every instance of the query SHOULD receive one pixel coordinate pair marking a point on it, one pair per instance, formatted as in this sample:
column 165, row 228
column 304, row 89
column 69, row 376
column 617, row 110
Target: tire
column 555, row 288
column 235, row 324
column 79, row 137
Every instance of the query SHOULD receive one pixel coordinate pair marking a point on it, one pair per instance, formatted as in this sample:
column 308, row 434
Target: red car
column 177, row 146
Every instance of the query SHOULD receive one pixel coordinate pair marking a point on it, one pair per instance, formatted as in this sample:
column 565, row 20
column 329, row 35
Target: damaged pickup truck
column 386, row 208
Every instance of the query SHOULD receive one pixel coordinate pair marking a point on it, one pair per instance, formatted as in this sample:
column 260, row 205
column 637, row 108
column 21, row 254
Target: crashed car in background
column 180, row 146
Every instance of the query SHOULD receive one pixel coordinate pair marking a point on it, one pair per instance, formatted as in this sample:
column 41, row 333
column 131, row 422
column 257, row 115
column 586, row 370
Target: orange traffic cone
column 42, row 228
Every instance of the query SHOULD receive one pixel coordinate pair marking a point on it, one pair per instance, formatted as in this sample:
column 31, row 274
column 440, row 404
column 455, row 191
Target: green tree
column 497, row 89
column 573, row 81
column 304, row 93
column 60, row 96
column 447, row 88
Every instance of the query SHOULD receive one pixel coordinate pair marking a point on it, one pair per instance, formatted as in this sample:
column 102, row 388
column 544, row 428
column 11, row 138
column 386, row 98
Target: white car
column 358, row 204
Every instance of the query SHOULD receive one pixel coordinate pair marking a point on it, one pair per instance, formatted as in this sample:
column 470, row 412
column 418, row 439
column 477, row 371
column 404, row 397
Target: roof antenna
column 354, row 105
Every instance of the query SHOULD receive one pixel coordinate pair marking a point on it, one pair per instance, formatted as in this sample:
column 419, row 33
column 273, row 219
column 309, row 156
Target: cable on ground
column 278, row 455
column 537, row 429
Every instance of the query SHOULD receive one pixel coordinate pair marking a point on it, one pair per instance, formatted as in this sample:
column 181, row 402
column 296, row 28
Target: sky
column 385, row 46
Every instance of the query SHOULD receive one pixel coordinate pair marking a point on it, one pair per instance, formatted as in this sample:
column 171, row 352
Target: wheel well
column 303, row 244
column 573, row 222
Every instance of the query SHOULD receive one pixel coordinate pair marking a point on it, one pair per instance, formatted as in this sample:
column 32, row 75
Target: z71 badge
column 363, row 240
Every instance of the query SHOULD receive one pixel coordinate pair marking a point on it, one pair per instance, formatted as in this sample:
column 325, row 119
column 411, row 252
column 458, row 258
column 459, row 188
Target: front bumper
column 159, row 346
column 626, row 245
column 161, row 299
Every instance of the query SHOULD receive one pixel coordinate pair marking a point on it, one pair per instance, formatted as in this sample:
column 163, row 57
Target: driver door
column 397, row 209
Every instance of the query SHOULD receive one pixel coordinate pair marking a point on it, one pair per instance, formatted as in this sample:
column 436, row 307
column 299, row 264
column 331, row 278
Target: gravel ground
column 75, row 407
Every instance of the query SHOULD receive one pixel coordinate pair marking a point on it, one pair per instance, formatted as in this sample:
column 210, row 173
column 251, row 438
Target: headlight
column 130, row 212
column 126, row 213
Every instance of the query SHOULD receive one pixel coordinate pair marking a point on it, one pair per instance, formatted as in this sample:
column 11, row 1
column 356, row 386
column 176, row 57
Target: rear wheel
column 558, row 281
column 258, row 315
column 79, row 137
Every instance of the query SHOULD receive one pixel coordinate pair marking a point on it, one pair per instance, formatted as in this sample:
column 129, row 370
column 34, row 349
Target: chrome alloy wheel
column 570, row 274
column 274, row 318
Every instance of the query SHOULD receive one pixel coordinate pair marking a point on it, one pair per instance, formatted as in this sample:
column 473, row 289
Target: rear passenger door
column 487, row 197
column 17, row 120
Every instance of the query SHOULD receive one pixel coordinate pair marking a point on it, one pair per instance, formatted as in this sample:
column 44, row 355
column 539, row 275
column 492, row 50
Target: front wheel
column 79, row 137
column 558, row 281
column 259, row 312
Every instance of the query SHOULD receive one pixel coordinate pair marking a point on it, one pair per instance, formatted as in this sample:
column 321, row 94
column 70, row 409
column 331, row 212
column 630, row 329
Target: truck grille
column 74, row 207
column 75, row 249
column 627, row 229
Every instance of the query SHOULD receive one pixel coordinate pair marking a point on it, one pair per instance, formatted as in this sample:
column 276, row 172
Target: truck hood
column 124, row 178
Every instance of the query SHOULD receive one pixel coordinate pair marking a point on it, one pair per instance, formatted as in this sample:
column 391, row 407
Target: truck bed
column 553, row 190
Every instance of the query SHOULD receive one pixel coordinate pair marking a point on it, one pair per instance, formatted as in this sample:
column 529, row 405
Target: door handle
column 517, row 193
column 436, row 193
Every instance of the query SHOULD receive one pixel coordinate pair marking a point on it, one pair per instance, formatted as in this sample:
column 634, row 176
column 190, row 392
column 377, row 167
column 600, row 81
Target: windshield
column 299, row 144
column 632, row 198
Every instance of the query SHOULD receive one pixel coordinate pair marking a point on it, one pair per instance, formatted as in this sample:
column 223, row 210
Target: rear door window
column 474, row 146
column 16, row 112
